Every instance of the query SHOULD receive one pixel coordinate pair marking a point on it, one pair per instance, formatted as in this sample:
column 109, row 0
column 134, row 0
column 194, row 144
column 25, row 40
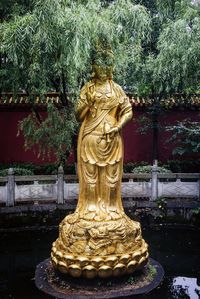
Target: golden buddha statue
column 99, row 239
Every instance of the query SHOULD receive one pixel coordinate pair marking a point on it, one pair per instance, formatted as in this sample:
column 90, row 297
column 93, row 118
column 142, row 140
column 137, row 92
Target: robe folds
column 100, row 155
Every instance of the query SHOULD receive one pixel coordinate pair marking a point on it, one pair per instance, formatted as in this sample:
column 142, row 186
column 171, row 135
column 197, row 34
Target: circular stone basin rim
column 44, row 283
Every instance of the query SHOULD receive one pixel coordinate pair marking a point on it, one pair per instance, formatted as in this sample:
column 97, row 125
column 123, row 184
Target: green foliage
column 38, row 169
column 148, row 169
column 46, row 45
column 9, row 8
column 131, row 280
column 17, row 171
column 57, row 38
column 54, row 130
column 50, row 47
column 128, row 167
column 186, row 135
column 195, row 216
column 162, row 203
column 147, row 122
column 171, row 58
column 177, row 64
column 155, row 44
column 152, row 271
column 171, row 165
column 196, row 211
column 183, row 165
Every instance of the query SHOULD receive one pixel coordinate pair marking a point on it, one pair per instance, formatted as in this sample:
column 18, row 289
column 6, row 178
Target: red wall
column 137, row 147
column 12, row 146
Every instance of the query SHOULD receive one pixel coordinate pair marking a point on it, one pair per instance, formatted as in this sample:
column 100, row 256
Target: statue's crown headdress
column 102, row 53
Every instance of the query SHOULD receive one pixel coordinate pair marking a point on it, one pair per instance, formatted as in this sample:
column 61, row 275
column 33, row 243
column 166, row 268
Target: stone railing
column 60, row 188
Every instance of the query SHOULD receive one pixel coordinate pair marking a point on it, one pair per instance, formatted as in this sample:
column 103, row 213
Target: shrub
column 17, row 171
column 189, row 165
column 128, row 167
column 148, row 168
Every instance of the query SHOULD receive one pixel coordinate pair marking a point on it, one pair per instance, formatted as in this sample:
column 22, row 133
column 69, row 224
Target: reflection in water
column 20, row 252
column 185, row 286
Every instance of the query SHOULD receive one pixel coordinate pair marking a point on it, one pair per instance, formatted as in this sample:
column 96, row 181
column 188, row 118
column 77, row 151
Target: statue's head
column 102, row 61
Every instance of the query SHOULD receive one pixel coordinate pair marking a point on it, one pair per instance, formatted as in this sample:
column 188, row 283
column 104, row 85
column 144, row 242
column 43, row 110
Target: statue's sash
column 96, row 121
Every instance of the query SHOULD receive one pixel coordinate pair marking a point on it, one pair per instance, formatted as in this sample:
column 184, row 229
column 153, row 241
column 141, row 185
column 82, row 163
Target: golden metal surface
column 99, row 239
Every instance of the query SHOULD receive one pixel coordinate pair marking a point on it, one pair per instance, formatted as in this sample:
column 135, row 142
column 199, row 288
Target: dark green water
column 177, row 249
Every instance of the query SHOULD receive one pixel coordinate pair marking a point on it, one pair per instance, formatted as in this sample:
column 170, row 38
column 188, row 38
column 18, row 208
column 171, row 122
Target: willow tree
column 171, row 58
column 48, row 45
column 171, row 61
column 49, row 49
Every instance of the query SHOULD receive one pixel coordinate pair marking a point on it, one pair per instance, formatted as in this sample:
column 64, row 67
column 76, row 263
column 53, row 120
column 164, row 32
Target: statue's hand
column 112, row 131
column 92, row 107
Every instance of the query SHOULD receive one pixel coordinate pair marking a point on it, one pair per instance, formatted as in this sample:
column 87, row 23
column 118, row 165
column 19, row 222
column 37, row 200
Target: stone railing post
column 10, row 188
column 154, row 182
column 60, row 186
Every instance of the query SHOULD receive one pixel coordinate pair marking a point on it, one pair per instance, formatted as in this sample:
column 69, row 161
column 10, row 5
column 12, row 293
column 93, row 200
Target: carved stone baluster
column 60, row 186
column 154, row 182
column 10, row 188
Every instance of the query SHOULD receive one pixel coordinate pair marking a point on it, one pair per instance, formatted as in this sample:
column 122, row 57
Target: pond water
column 177, row 249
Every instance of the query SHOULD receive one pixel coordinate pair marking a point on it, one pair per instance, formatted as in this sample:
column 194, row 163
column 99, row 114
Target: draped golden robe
column 100, row 156
column 99, row 239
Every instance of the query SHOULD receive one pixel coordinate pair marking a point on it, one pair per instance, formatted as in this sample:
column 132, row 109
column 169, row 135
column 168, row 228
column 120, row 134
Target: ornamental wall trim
column 175, row 101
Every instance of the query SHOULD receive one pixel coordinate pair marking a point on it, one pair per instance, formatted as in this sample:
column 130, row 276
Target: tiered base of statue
column 99, row 248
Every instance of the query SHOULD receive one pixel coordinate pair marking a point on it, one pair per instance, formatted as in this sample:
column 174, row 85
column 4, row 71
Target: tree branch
column 64, row 98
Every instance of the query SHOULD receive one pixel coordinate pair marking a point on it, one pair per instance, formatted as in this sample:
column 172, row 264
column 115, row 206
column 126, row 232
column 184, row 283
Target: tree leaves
column 61, row 35
column 176, row 66
column 53, row 134
column 186, row 135
column 48, row 48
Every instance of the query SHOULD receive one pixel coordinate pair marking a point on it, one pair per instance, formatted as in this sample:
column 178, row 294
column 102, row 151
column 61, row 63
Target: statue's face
column 102, row 72
column 103, row 65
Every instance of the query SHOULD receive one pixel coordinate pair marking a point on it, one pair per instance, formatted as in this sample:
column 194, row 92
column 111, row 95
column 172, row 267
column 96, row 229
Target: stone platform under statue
column 53, row 282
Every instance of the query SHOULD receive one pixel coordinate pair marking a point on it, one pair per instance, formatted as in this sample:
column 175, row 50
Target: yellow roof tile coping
column 176, row 100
